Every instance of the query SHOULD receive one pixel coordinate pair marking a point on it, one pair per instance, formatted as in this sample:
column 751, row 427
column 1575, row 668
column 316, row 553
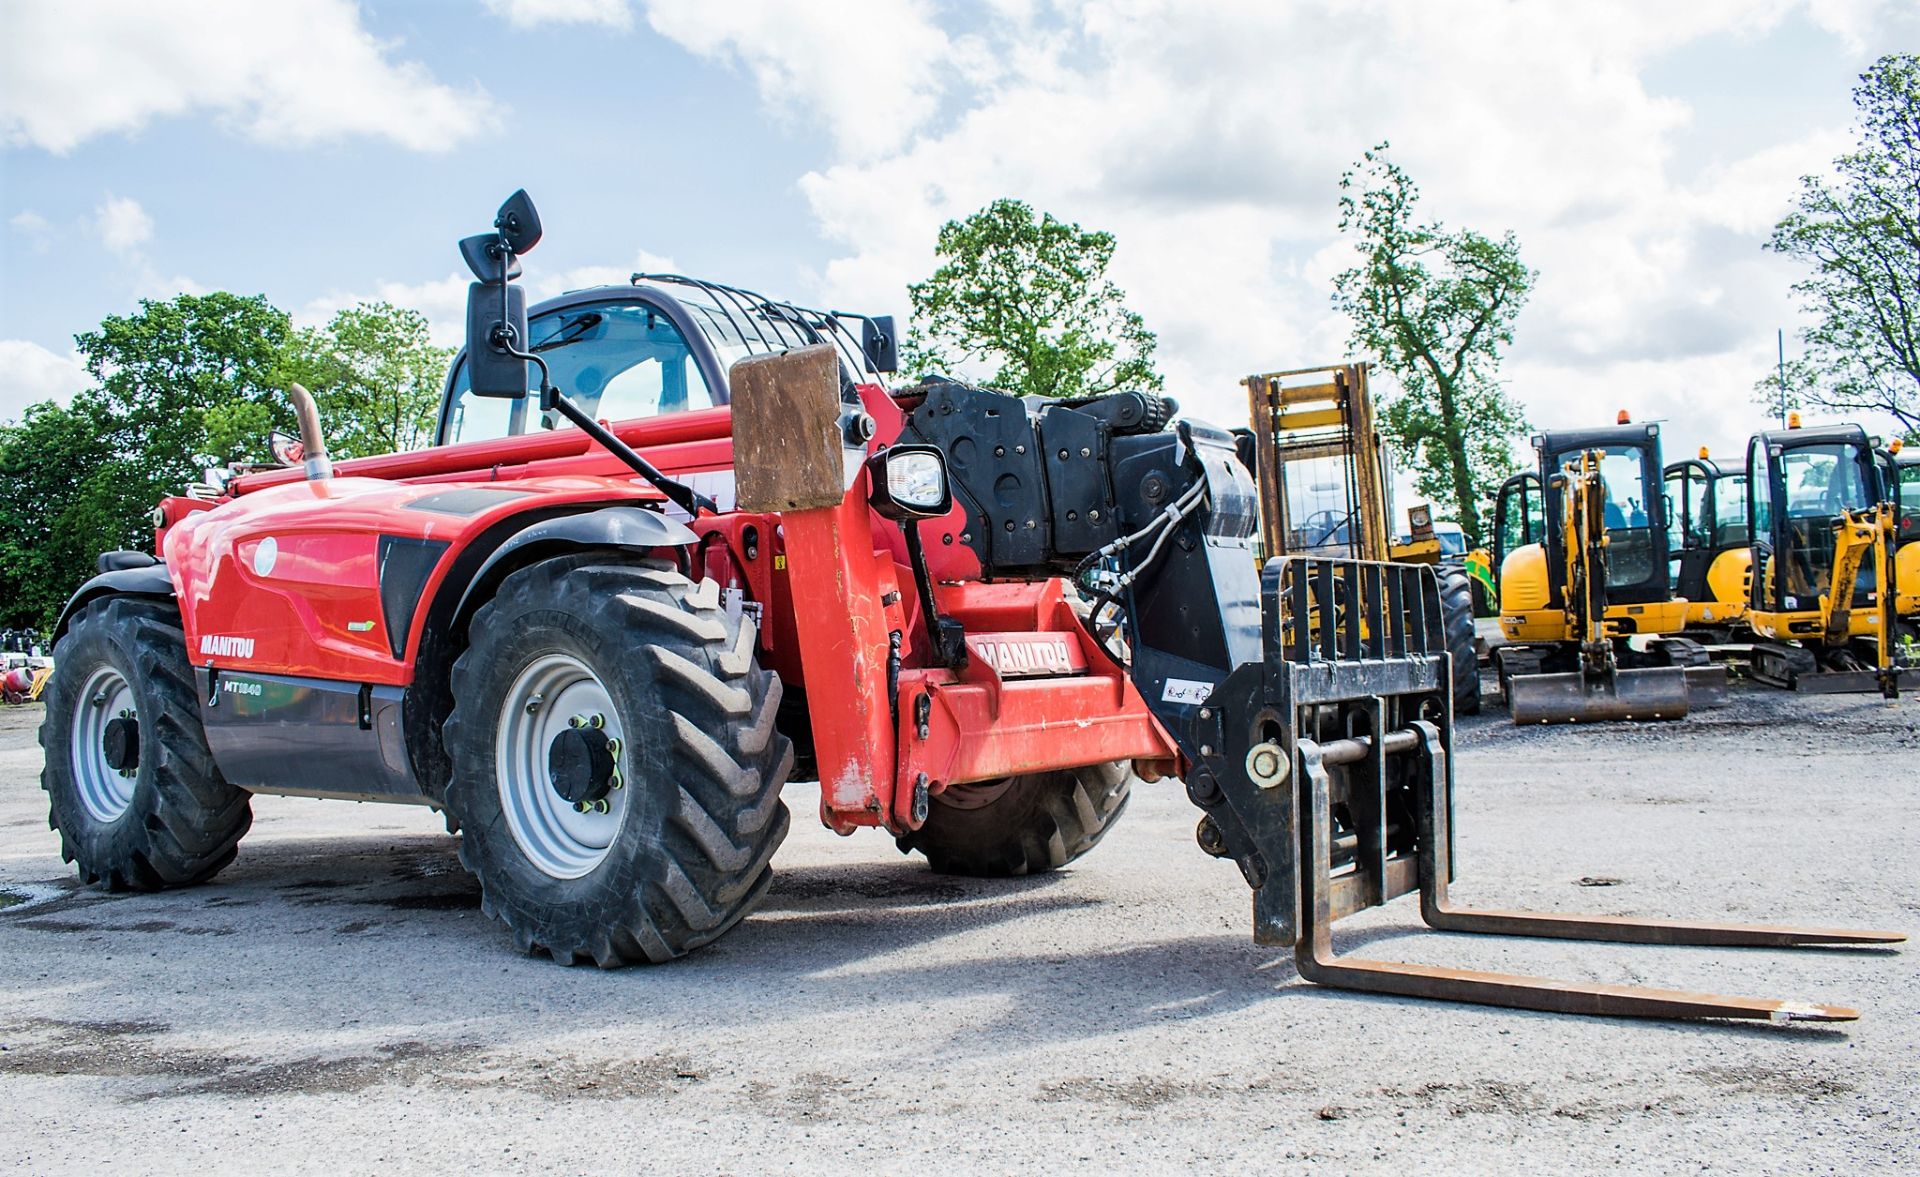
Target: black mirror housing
column 496, row 315
column 518, row 222
column 485, row 256
column 879, row 344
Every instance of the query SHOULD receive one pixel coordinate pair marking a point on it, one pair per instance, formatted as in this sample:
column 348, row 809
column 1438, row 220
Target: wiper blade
column 570, row 332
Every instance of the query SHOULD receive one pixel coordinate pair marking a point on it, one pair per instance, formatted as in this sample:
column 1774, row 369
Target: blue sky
column 319, row 151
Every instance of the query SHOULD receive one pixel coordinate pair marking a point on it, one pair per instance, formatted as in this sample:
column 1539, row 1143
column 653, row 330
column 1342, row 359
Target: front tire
column 1020, row 825
column 132, row 787
column 1456, row 614
column 629, row 691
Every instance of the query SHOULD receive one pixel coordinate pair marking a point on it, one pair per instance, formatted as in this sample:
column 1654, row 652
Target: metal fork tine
column 1317, row 962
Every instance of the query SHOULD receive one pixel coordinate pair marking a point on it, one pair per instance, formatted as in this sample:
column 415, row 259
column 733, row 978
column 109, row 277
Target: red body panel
column 833, row 585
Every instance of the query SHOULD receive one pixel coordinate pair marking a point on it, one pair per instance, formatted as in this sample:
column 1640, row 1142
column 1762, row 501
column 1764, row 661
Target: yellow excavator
column 1592, row 627
column 1824, row 590
column 1326, row 490
column 1709, row 558
column 1900, row 485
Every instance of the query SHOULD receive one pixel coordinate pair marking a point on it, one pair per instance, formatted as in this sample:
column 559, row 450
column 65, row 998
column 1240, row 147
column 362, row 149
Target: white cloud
column 1210, row 139
column 293, row 72
column 36, row 229
column 869, row 73
column 123, row 225
column 614, row 14
column 30, row 374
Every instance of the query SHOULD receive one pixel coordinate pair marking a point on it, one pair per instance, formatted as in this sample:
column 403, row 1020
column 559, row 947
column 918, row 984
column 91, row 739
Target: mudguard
column 150, row 581
column 609, row 527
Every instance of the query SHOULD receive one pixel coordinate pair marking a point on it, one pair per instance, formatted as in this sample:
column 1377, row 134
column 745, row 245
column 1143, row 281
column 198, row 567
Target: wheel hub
column 120, row 743
column 580, row 763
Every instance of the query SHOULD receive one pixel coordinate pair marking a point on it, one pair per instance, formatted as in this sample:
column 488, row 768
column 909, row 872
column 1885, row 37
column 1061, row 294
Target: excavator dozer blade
column 1707, row 686
column 1655, row 693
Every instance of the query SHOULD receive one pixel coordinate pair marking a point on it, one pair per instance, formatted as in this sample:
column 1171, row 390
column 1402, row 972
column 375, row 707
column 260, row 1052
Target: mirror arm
column 684, row 496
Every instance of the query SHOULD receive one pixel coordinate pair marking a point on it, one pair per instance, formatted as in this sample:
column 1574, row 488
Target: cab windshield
column 617, row 360
column 1629, row 529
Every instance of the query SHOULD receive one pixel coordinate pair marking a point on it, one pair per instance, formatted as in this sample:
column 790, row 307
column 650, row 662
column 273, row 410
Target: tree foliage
column 1031, row 296
column 181, row 384
column 1860, row 234
column 376, row 376
column 1434, row 307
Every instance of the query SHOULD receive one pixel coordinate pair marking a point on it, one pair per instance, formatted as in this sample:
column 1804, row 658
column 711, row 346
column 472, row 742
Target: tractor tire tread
column 185, row 821
column 1039, row 822
column 700, row 719
column 1456, row 613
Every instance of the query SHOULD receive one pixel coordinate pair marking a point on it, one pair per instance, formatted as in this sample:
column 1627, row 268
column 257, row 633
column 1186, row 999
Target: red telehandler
column 676, row 539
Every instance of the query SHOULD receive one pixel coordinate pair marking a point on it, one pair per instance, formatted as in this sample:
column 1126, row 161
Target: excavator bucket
column 1658, row 692
column 1325, row 771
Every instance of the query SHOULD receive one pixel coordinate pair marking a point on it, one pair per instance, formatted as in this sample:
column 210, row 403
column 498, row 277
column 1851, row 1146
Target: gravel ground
column 336, row 1002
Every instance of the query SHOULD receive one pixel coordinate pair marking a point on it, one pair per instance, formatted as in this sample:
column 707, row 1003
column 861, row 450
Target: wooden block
column 787, row 445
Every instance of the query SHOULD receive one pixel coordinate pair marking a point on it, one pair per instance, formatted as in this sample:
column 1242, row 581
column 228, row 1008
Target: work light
column 909, row 482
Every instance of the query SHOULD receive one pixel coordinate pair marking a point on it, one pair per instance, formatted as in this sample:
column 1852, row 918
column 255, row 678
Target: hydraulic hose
column 313, row 443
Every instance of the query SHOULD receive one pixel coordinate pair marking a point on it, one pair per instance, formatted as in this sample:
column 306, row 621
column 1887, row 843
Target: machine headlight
column 909, row 482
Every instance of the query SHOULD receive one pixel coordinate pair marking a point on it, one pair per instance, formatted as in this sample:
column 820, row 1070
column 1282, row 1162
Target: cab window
column 618, row 361
column 1730, row 511
column 1627, row 518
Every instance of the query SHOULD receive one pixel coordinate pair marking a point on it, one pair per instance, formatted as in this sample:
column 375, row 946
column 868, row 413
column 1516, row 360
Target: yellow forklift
column 1326, row 490
column 1824, row 590
column 1592, row 627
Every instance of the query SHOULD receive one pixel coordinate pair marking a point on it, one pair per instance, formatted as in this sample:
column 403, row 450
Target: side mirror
column 877, row 341
column 496, row 319
column 518, row 222
column 286, row 451
column 487, row 256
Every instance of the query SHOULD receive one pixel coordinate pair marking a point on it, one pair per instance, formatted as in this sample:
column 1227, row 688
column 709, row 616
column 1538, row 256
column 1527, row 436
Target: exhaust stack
column 313, row 443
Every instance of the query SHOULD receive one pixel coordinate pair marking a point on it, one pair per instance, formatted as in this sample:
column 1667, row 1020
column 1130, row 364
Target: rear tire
column 1456, row 615
column 1020, row 825
column 681, row 852
column 167, row 820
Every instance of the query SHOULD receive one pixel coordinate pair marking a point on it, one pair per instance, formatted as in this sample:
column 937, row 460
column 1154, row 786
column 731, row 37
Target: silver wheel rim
column 105, row 791
column 550, row 695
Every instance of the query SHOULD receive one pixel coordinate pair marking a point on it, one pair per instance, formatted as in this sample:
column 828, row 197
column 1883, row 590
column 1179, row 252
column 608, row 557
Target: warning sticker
column 1185, row 690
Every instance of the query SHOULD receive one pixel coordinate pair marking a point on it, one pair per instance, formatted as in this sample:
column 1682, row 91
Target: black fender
column 609, row 527
column 149, row 581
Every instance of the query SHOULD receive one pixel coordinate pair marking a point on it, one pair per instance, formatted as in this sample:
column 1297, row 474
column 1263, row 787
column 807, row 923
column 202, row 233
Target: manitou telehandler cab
column 1590, row 620
column 1709, row 558
column 1824, row 580
column 677, row 539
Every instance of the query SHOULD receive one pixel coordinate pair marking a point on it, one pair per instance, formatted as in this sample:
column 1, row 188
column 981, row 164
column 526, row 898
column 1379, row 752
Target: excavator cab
column 1709, row 560
column 1823, row 534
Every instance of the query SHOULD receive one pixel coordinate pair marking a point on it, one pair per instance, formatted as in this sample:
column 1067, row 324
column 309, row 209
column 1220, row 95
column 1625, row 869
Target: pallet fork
column 1343, row 801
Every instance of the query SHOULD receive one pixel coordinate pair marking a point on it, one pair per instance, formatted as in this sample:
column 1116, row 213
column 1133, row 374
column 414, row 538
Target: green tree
column 1434, row 307
column 190, row 382
column 54, row 484
column 1030, row 295
column 1860, row 234
column 376, row 376
column 183, row 384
